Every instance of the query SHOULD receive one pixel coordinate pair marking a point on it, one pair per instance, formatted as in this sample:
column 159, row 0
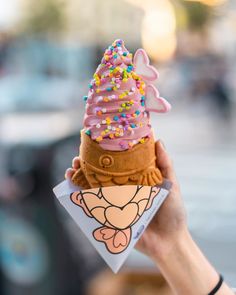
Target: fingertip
column 69, row 173
column 164, row 161
column 161, row 144
column 161, row 153
column 76, row 163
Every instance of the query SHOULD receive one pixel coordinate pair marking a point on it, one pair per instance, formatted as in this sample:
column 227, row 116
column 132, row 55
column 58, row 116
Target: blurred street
column 206, row 169
column 49, row 51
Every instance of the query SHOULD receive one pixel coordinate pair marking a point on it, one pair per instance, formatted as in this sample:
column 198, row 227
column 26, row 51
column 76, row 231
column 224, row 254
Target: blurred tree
column 44, row 16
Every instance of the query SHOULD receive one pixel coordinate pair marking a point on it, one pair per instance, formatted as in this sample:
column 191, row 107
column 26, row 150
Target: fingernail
column 68, row 170
column 162, row 144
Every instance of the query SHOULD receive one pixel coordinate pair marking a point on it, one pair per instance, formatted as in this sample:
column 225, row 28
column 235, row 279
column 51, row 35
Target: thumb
column 164, row 162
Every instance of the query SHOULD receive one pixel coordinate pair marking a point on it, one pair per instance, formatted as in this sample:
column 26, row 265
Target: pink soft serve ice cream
column 116, row 116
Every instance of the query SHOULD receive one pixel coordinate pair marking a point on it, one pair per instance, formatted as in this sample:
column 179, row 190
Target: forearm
column 187, row 270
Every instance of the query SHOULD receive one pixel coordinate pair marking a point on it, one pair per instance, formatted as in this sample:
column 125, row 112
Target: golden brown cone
column 99, row 167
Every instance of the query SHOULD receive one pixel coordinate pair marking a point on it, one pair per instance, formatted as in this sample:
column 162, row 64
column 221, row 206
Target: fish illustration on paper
column 117, row 209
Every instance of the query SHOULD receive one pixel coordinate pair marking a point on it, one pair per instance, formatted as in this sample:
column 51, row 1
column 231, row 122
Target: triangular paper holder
column 113, row 218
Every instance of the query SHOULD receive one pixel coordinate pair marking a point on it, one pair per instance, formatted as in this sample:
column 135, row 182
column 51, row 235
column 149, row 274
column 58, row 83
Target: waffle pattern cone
column 99, row 167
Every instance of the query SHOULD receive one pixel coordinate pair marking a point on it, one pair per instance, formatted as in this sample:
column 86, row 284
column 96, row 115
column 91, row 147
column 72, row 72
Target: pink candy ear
column 154, row 103
column 142, row 66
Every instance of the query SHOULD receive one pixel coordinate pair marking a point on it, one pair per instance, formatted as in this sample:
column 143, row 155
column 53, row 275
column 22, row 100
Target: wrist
column 171, row 243
column 185, row 267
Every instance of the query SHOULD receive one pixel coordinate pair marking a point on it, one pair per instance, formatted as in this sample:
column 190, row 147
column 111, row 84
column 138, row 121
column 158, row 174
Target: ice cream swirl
column 115, row 106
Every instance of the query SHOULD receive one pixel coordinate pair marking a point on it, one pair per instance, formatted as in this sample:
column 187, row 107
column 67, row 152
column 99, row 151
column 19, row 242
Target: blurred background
column 49, row 50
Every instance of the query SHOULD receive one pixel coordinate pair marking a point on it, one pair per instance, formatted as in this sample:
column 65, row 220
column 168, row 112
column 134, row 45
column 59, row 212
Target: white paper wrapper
column 112, row 218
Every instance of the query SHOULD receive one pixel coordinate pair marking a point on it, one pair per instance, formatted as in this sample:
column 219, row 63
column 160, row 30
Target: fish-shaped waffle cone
column 99, row 168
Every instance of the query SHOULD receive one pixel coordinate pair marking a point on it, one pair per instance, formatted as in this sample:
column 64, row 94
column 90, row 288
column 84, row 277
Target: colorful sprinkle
column 142, row 140
column 99, row 138
column 108, row 120
column 129, row 68
column 141, row 91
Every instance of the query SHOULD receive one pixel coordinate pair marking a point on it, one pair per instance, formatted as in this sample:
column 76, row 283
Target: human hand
column 170, row 221
column 168, row 242
column 75, row 166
